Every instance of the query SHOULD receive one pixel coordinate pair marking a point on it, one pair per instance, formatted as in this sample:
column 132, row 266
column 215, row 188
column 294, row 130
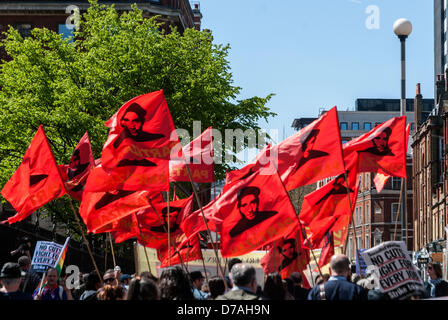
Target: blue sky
column 318, row 54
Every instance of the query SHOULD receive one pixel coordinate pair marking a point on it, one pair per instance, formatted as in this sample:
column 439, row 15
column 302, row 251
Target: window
column 367, row 214
column 367, row 244
column 412, row 126
column 377, row 123
column 396, row 183
column 355, row 125
column 358, row 242
column 345, row 141
column 350, row 247
column 377, row 210
column 343, row 126
column 394, row 212
column 367, row 126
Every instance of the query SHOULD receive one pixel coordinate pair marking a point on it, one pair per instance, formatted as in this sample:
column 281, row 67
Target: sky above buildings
column 318, row 54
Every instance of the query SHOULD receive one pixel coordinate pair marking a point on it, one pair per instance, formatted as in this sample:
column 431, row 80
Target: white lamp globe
column 402, row 27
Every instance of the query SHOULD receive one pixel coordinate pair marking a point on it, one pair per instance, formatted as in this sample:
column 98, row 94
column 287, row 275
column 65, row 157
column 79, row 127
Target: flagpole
column 105, row 255
column 144, row 247
column 205, row 221
column 112, row 249
column 351, row 215
column 164, row 228
column 168, row 222
column 85, row 239
column 300, row 224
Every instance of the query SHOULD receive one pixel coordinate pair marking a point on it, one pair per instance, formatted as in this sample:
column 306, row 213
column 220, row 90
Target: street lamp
column 403, row 28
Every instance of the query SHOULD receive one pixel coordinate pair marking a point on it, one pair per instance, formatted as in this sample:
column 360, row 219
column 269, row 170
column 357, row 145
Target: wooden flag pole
column 300, row 224
column 351, row 215
column 168, row 225
column 105, row 255
column 144, row 247
column 112, row 249
column 85, row 240
column 165, row 229
column 205, row 221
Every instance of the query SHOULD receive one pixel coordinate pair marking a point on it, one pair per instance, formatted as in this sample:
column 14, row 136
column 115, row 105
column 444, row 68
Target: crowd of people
column 19, row 282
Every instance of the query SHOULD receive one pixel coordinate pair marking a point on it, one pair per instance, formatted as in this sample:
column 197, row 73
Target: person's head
column 52, row 277
column 143, row 289
column 197, row 279
column 174, row 284
column 93, row 281
column 233, row 262
column 24, row 263
column 243, row 275
column 296, row 278
column 216, row 286
column 146, row 275
column 340, row 265
column 273, row 287
column 110, row 278
column 11, row 276
column 308, row 142
column 125, row 279
column 287, row 248
column 248, row 201
column 113, row 293
column 133, row 119
column 381, row 140
column 434, row 270
column 288, row 285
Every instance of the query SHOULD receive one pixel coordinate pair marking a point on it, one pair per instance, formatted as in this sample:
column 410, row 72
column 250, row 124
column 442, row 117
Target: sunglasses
column 109, row 279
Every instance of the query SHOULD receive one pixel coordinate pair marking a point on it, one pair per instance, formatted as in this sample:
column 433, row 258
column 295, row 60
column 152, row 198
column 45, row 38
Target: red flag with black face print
column 327, row 246
column 381, row 178
column 153, row 179
column 382, row 149
column 188, row 249
column 99, row 209
column 286, row 256
column 254, row 212
column 313, row 153
column 193, row 222
column 36, row 182
column 328, row 208
column 76, row 173
column 141, row 130
column 199, row 156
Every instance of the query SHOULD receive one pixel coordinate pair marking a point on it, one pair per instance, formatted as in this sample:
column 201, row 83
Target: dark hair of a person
column 49, row 269
column 23, row 261
column 273, row 287
column 143, row 290
column 112, row 293
column 174, row 284
column 216, row 286
column 437, row 269
column 92, row 280
column 233, row 262
column 148, row 275
column 289, row 285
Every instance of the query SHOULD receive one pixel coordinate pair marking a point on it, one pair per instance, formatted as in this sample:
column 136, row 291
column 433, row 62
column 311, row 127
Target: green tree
column 73, row 85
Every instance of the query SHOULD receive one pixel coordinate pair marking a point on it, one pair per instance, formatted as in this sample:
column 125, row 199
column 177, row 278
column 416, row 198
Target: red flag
column 254, row 212
column 381, row 178
column 328, row 208
column 188, row 249
column 382, row 149
column 308, row 156
column 99, row 209
column 140, row 131
column 194, row 222
column 36, row 182
column 327, row 252
column 199, row 157
column 76, row 173
column 289, row 254
column 153, row 179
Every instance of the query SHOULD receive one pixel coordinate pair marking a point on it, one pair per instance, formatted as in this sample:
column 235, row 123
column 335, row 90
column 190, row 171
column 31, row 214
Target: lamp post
column 403, row 28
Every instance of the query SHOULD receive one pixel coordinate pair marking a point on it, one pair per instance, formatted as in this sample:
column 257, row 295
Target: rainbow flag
column 60, row 262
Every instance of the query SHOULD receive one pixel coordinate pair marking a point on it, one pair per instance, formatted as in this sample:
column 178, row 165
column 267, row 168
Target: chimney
column 418, row 107
column 440, row 87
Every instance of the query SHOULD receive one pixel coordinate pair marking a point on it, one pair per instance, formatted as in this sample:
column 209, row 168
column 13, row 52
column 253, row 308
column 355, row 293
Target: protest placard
column 396, row 275
column 45, row 255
